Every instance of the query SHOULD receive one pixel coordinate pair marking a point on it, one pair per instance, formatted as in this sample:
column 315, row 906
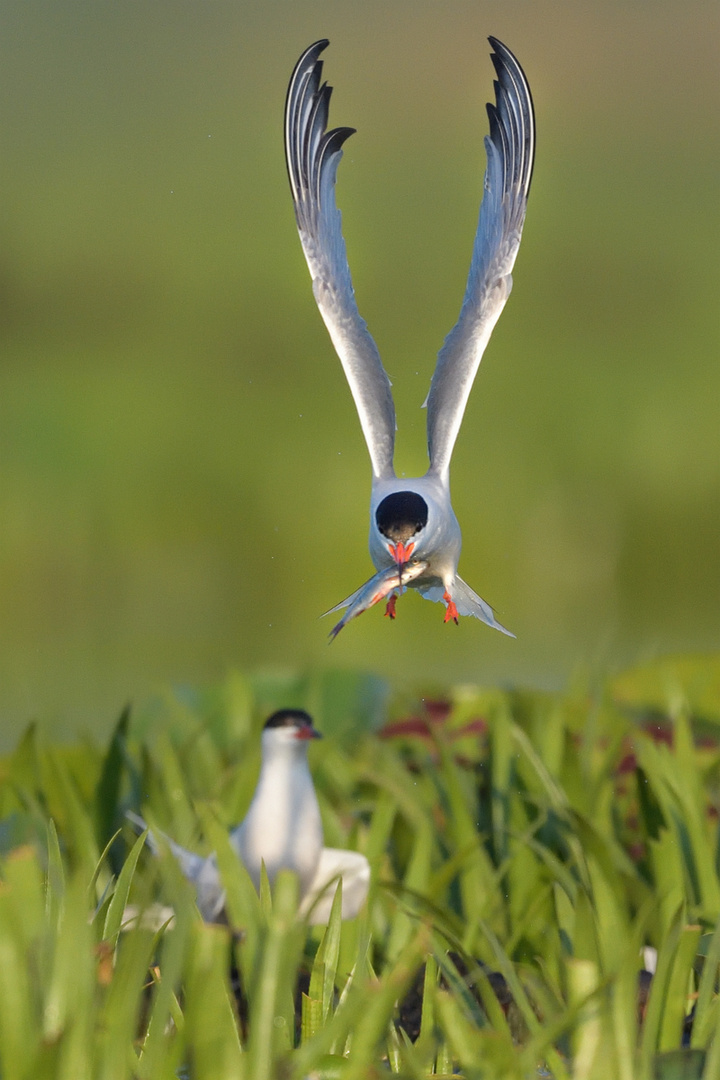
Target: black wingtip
column 508, row 67
column 310, row 149
column 334, row 139
column 316, row 48
column 502, row 51
column 307, row 60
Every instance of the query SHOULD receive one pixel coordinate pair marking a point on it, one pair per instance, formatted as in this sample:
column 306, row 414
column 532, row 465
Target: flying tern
column 282, row 830
column 414, row 534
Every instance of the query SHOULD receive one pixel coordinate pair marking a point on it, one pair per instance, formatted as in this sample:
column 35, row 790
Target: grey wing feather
column 467, row 602
column 190, row 863
column 510, row 149
column 199, row 871
column 313, row 154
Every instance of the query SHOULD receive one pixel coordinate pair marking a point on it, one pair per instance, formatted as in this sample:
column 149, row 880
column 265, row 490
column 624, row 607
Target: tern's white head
column 288, row 731
column 401, row 518
column 412, row 521
column 282, row 830
column 282, row 827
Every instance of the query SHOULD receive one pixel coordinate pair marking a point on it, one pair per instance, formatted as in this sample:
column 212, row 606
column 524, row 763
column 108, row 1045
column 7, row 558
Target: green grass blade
column 311, row 1018
column 280, row 955
column 676, row 998
column 324, row 971
column 242, row 902
column 650, row 1039
column 712, row 1058
column 427, row 1038
column 118, row 902
column 109, row 786
column 55, row 879
column 584, row 978
column 211, row 1032
column 374, row 1005
column 708, row 980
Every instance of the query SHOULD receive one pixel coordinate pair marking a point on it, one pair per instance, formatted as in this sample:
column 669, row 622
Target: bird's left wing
column 510, row 149
column 312, row 154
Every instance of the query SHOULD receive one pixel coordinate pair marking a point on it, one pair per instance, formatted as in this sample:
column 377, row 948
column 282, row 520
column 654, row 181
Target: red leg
column 451, row 611
column 390, row 606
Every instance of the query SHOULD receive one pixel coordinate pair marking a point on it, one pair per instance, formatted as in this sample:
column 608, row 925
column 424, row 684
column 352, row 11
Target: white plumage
column 281, row 829
column 413, row 529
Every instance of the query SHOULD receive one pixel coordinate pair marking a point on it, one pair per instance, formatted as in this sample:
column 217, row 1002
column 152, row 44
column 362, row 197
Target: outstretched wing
column 510, row 149
column 312, row 154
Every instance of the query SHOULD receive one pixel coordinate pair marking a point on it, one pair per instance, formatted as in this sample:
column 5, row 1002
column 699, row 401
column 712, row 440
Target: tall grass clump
column 528, row 851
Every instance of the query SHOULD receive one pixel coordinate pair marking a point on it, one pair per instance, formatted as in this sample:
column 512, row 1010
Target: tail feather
column 467, row 602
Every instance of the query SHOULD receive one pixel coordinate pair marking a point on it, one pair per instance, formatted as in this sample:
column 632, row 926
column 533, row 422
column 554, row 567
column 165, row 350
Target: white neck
column 282, row 826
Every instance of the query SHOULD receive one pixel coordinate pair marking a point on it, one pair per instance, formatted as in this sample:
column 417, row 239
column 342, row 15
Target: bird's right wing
column 510, row 151
column 312, row 154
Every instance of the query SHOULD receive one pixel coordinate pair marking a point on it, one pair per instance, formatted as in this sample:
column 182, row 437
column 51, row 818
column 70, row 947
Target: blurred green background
column 184, row 485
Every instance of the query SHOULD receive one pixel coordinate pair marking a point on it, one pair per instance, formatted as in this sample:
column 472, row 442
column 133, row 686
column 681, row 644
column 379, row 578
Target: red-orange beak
column 401, row 553
column 307, row 733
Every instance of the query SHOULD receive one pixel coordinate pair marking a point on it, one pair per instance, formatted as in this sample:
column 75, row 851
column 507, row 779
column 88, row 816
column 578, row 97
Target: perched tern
column 413, row 530
column 281, row 829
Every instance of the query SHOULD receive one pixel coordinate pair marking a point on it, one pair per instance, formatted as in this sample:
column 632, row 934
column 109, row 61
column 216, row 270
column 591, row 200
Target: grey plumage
column 510, row 149
column 313, row 154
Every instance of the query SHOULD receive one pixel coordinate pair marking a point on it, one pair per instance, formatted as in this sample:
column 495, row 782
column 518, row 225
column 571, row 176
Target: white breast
column 282, row 828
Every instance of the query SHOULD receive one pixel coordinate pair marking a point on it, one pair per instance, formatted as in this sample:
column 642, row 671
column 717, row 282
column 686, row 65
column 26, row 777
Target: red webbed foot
column 451, row 612
column 390, row 607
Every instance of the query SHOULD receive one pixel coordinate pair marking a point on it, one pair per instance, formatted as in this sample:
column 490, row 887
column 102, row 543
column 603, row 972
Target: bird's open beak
column 307, row 733
column 401, row 553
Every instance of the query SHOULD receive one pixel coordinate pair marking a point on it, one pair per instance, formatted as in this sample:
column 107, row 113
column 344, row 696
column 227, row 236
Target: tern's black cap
column 401, row 514
column 296, row 718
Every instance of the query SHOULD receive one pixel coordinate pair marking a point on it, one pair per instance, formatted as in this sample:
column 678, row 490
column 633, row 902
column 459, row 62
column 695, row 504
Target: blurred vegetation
column 525, row 848
column 184, row 483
